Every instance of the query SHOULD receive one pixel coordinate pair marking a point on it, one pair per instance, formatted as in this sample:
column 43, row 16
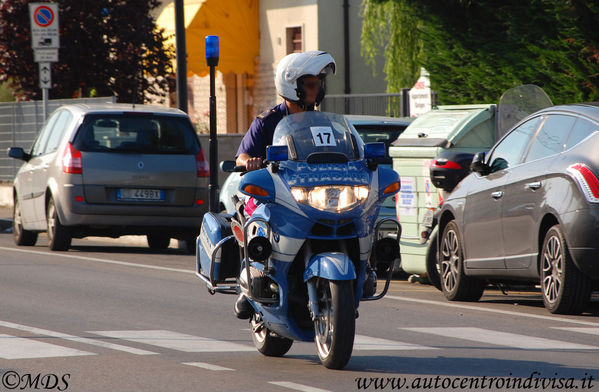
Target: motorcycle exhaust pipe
column 259, row 248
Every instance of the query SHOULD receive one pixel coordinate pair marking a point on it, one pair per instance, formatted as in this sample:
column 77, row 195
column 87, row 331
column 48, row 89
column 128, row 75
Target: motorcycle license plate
column 140, row 194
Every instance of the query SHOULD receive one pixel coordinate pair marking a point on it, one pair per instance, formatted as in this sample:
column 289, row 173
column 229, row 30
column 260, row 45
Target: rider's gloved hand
column 253, row 164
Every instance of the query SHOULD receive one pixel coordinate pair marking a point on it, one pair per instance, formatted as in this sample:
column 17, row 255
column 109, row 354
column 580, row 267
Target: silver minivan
column 111, row 170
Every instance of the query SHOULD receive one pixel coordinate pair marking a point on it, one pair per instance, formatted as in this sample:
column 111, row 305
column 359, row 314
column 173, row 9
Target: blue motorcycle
column 311, row 250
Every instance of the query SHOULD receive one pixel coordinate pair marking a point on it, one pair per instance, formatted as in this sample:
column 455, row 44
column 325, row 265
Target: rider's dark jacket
column 260, row 133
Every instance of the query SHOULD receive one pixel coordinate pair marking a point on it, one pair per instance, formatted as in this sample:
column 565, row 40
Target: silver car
column 111, row 170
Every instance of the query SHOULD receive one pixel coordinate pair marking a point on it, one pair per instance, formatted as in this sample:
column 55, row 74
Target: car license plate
column 427, row 220
column 140, row 194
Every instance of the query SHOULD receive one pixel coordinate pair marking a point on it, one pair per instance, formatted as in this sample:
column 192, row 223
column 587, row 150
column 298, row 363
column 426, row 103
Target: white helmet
column 295, row 65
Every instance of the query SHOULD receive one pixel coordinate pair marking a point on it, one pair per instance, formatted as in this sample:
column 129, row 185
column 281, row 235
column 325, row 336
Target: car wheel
column 22, row 237
column 59, row 236
column 565, row 289
column 158, row 241
column 432, row 265
column 456, row 286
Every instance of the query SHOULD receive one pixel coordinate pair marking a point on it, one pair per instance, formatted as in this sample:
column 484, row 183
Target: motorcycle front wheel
column 336, row 325
column 266, row 341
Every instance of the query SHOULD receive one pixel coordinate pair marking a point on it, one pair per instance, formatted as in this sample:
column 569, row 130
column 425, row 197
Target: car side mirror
column 478, row 164
column 18, row 153
column 227, row 166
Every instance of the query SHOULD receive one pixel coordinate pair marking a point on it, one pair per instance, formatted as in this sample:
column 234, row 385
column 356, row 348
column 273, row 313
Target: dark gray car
column 111, row 170
column 529, row 212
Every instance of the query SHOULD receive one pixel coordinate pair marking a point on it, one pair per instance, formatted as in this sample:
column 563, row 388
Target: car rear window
column 137, row 133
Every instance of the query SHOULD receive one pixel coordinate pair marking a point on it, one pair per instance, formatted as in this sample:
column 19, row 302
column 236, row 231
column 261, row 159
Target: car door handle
column 497, row 194
column 534, row 185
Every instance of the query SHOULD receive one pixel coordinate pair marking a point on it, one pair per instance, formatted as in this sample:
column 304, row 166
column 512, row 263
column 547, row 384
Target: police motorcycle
column 310, row 251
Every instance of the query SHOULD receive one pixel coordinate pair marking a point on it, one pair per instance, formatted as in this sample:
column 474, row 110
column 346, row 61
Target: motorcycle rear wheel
column 266, row 341
column 335, row 327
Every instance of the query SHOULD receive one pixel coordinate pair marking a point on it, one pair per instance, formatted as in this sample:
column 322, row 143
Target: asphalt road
column 110, row 316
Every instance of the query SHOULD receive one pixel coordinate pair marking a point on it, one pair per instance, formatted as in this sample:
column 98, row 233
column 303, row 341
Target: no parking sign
column 44, row 25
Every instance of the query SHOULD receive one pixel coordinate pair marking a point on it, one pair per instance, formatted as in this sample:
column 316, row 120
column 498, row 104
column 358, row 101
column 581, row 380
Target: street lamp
column 212, row 61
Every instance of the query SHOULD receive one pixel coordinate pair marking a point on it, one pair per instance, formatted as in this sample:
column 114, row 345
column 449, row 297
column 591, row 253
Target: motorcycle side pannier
column 216, row 240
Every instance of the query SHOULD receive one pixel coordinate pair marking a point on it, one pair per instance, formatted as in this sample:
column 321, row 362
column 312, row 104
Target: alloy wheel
column 324, row 331
column 552, row 269
column 450, row 259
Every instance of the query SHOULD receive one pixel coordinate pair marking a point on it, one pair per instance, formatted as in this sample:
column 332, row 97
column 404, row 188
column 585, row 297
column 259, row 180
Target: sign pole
column 212, row 55
column 45, row 44
column 45, row 103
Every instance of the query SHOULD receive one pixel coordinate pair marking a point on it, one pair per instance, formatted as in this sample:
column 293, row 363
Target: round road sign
column 43, row 16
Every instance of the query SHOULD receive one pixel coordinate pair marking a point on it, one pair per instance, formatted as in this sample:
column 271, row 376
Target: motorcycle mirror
column 227, row 166
column 478, row 164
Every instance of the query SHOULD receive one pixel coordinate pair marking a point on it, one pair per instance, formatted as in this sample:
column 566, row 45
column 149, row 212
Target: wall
column 275, row 16
column 330, row 39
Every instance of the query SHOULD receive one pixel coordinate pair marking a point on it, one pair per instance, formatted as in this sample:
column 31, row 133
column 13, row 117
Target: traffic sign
column 45, row 55
column 45, row 75
column 44, row 25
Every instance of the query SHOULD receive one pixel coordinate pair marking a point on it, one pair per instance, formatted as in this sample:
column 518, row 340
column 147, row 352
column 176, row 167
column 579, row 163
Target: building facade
column 283, row 27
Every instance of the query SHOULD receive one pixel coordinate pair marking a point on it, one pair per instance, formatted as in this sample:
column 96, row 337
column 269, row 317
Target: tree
column 107, row 47
column 476, row 49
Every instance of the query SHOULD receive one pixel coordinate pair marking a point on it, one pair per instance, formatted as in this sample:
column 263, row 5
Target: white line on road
column 207, row 366
column 98, row 260
column 502, row 338
column 592, row 331
column 297, row 387
column 12, row 347
column 45, row 332
column 362, row 342
column 176, row 341
column 446, row 304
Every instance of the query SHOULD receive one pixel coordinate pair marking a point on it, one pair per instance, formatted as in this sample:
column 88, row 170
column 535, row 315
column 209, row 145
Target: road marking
column 297, row 387
column 447, row 304
column 502, row 338
column 176, row 341
column 98, row 260
column 362, row 342
column 45, row 332
column 208, row 366
column 592, row 331
column 12, row 347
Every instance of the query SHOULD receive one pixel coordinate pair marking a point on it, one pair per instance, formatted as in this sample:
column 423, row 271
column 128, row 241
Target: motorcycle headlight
column 332, row 198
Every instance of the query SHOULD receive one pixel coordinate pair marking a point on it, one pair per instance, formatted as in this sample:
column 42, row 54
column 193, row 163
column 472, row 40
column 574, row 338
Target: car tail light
column 587, row 180
column 202, row 165
column 71, row 160
column 446, row 164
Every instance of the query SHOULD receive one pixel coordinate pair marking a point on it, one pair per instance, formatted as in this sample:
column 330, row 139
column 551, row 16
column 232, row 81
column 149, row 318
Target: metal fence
column 20, row 123
column 396, row 105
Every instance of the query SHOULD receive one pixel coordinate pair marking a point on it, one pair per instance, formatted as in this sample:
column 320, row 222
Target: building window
column 294, row 40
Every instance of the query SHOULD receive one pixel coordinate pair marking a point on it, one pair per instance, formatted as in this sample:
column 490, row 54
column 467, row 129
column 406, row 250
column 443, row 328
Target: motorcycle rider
column 299, row 80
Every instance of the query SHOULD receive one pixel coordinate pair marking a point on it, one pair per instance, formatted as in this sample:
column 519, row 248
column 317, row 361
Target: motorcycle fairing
column 330, row 265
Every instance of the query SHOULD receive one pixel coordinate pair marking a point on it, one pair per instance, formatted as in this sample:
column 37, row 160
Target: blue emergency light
column 212, row 50
column 277, row 153
column 374, row 150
